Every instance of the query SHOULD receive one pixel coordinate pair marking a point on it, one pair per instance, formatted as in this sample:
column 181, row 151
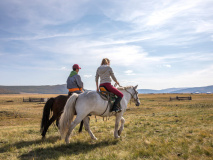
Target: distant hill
column 62, row 89
column 48, row 89
column 196, row 90
column 207, row 89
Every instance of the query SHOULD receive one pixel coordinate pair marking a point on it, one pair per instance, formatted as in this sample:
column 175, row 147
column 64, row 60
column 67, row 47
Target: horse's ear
column 136, row 87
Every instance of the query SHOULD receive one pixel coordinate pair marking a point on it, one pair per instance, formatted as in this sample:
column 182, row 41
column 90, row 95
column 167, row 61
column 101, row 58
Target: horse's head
column 135, row 96
column 133, row 93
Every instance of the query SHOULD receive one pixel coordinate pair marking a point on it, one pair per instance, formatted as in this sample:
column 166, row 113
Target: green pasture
column 157, row 129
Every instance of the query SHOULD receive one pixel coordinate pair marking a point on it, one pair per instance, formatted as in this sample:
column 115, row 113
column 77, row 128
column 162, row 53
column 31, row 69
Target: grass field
column 157, row 129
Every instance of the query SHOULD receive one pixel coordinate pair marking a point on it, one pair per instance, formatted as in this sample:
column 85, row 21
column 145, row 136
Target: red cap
column 76, row 66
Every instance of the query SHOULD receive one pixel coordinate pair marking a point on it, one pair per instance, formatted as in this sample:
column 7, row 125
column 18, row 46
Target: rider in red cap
column 74, row 83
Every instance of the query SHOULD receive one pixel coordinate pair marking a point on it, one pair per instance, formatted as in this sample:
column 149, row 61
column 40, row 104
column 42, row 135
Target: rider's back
column 104, row 72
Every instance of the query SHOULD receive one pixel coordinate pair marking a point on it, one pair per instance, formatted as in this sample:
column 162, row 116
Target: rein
column 132, row 95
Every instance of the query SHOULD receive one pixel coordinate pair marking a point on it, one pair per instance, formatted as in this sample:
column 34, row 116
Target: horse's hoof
column 67, row 141
column 116, row 137
column 94, row 138
column 43, row 138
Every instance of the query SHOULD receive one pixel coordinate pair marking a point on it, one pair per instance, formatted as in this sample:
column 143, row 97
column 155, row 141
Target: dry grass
column 158, row 129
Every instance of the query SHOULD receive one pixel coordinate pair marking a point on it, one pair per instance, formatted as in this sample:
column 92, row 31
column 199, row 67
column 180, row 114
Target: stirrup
column 116, row 110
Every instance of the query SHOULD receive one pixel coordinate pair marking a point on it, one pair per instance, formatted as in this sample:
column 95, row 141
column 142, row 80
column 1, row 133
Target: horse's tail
column 67, row 115
column 46, row 113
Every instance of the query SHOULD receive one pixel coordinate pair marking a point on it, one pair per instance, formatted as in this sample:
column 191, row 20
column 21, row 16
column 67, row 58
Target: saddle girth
column 109, row 96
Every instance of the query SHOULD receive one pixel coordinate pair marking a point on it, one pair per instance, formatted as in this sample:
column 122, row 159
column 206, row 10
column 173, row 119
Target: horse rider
column 105, row 72
column 74, row 83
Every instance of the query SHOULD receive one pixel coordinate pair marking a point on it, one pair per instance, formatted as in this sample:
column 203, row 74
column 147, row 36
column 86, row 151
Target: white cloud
column 179, row 18
column 163, row 14
column 168, row 65
column 202, row 77
column 93, row 51
column 40, row 36
column 35, row 15
column 87, row 76
column 138, row 11
column 122, row 55
column 129, row 72
column 128, row 83
column 204, row 26
column 63, row 68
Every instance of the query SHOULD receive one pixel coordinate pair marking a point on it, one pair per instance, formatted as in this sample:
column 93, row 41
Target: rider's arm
column 97, row 86
column 79, row 82
column 112, row 75
column 96, row 79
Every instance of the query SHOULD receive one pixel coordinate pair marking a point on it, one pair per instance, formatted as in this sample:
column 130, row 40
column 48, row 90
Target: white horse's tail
column 67, row 115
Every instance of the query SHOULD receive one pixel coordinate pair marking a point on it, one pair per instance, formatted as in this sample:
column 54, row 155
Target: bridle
column 132, row 95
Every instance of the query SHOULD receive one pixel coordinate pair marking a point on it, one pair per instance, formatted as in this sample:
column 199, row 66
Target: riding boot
column 116, row 107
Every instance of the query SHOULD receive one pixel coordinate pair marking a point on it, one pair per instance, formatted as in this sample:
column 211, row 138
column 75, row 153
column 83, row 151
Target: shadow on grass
column 22, row 144
column 65, row 150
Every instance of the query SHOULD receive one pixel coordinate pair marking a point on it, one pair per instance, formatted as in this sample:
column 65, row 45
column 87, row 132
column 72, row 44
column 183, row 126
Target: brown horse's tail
column 46, row 113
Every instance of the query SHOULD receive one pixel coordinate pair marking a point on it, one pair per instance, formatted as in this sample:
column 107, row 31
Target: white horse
column 92, row 103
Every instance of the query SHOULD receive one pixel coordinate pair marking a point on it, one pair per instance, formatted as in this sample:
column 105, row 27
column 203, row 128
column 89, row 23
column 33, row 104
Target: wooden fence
column 180, row 98
column 35, row 99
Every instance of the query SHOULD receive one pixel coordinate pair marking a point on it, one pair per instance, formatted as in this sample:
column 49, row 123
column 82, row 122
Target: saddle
column 106, row 95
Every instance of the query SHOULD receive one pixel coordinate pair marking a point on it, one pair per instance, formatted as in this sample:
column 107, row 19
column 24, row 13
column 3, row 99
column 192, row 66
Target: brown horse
column 56, row 105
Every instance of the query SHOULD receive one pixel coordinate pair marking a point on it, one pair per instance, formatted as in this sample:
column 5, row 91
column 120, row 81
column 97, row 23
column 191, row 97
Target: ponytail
column 105, row 61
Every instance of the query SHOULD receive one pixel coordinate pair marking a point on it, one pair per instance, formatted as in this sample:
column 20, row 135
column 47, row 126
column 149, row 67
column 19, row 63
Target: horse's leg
column 57, row 121
column 81, row 127
column 117, row 120
column 87, row 128
column 122, row 126
column 77, row 120
column 52, row 119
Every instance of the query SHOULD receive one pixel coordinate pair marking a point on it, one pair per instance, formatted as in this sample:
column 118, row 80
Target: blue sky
column 156, row 44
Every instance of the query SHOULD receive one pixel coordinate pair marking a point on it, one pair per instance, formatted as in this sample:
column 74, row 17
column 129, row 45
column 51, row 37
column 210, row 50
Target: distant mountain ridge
column 62, row 89
column 206, row 89
column 47, row 89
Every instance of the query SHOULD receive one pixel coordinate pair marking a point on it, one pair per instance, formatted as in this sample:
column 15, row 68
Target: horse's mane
column 123, row 88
